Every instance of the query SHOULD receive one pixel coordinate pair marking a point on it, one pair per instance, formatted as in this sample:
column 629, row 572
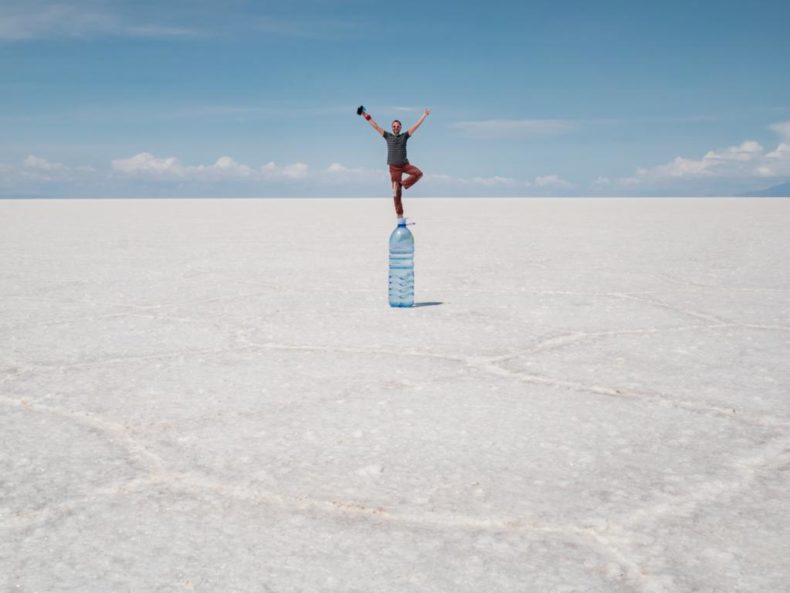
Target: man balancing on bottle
column 396, row 156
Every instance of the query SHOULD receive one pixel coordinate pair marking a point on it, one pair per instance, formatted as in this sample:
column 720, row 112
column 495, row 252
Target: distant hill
column 777, row 191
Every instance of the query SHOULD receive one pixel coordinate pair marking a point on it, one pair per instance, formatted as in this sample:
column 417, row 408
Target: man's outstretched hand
column 360, row 110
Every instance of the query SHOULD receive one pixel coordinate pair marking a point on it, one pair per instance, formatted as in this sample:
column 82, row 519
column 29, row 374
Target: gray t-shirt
column 396, row 148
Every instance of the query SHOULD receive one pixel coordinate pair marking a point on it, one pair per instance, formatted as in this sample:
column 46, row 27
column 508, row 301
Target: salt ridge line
column 772, row 457
column 572, row 338
column 552, row 343
column 716, row 321
column 140, row 456
column 662, row 305
column 190, row 483
column 598, row 540
column 776, row 453
column 483, row 364
column 486, row 364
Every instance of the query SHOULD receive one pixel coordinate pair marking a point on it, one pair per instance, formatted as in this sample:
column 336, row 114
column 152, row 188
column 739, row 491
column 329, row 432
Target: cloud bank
column 36, row 19
column 722, row 171
column 147, row 165
column 748, row 161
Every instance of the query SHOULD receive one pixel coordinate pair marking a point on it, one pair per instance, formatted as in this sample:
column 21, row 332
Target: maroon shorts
column 397, row 172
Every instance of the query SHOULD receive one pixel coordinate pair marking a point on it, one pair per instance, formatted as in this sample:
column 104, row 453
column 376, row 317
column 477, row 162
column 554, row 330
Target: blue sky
column 233, row 98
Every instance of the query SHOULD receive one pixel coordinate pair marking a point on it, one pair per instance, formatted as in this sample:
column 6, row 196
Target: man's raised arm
column 361, row 111
column 419, row 122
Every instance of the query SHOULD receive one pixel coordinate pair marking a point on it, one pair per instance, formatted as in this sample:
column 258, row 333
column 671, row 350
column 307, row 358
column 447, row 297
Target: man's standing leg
column 396, row 174
column 414, row 175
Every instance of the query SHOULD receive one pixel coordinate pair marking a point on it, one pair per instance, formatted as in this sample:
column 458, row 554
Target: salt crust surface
column 213, row 395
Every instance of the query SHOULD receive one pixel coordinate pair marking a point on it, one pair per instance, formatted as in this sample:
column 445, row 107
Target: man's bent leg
column 414, row 175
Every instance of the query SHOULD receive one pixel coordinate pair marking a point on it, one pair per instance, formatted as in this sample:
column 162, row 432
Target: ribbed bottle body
column 401, row 267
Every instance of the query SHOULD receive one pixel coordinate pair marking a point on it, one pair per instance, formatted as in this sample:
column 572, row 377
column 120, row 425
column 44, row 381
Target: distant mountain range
column 777, row 191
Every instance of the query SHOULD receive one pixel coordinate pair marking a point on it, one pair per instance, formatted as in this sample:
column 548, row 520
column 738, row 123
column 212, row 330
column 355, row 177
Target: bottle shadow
column 428, row 304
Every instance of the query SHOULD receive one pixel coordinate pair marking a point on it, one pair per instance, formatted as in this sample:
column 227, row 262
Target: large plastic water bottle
column 401, row 291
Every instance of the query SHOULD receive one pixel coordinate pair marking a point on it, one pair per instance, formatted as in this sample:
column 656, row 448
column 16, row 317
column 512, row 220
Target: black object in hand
column 360, row 110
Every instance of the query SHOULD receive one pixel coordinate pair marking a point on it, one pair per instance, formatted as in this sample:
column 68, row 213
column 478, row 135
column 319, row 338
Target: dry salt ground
column 214, row 396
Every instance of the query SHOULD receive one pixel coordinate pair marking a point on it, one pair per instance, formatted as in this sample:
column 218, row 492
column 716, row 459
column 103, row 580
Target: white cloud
column 45, row 20
column 747, row 151
column 337, row 168
column 513, row 128
column 51, row 20
column 746, row 160
column 226, row 166
column 145, row 164
column 552, row 181
column 226, row 173
column 25, row 20
column 776, row 162
column 40, row 172
column 34, row 163
column 157, row 31
column 294, row 171
column 339, row 173
column 782, row 128
column 678, row 167
column 494, row 181
column 38, row 169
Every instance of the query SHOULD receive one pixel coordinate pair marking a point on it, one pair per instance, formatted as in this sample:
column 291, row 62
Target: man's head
column 396, row 126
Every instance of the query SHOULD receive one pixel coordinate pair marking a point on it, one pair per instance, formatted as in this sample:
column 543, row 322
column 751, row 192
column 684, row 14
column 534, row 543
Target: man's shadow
column 428, row 304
